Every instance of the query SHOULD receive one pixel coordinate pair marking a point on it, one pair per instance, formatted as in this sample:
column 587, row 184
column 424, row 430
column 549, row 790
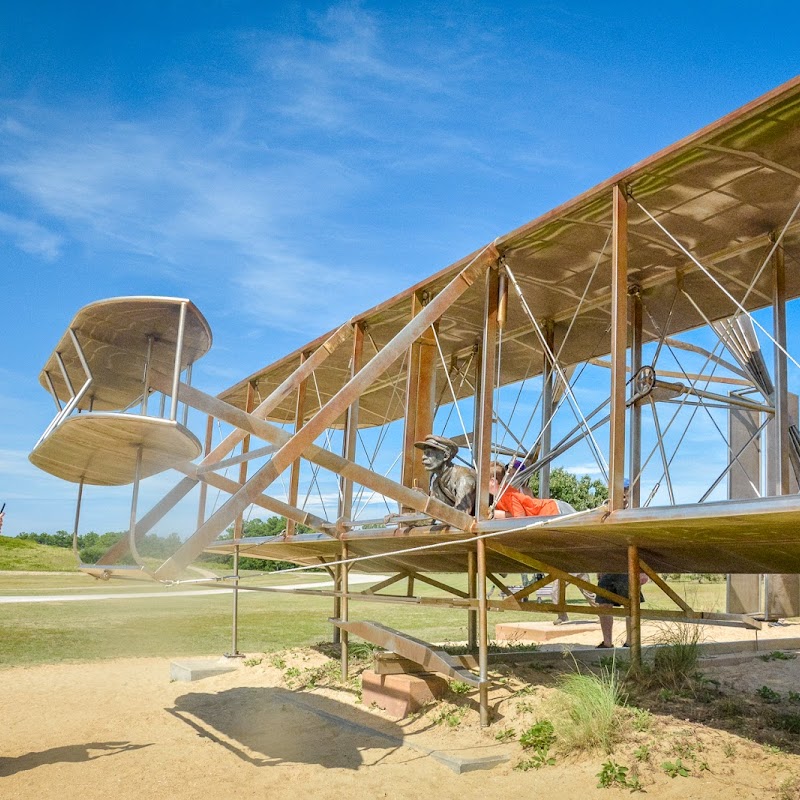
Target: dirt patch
column 121, row 728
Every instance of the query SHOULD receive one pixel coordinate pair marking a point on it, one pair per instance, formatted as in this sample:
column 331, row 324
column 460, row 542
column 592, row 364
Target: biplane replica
column 618, row 326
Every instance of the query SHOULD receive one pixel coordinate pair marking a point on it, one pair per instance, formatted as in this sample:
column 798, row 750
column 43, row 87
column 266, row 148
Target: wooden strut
column 301, row 443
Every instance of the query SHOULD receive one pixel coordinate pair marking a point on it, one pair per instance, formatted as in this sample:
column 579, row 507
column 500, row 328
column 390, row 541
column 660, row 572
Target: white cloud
column 31, row 237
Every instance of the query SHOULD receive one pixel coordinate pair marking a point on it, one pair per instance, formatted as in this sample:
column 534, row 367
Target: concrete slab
column 461, row 763
column 541, row 631
column 195, row 669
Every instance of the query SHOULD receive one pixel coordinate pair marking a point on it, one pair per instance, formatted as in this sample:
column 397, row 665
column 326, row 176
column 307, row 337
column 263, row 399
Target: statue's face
column 433, row 458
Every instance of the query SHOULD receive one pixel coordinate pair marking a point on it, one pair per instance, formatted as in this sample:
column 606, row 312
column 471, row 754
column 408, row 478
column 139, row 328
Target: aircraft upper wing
column 721, row 193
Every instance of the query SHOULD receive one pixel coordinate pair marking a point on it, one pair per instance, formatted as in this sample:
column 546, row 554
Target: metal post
column 345, row 610
column 176, row 373
column 294, row 472
column 483, row 436
column 238, row 525
column 472, row 615
column 781, row 421
column 77, row 522
column 547, row 410
column 635, row 624
column 146, row 381
column 134, row 504
column 350, row 433
column 201, row 506
column 349, row 442
column 185, row 418
column 636, row 410
column 619, row 344
column 337, row 603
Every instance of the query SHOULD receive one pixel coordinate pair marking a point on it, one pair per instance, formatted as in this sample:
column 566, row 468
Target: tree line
column 92, row 545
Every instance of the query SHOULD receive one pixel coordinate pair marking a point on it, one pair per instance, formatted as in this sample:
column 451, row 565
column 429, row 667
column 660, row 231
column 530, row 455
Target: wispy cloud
column 249, row 175
column 31, row 237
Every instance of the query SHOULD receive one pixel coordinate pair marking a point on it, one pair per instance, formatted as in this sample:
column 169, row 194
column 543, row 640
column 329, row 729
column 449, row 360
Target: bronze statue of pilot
column 450, row 483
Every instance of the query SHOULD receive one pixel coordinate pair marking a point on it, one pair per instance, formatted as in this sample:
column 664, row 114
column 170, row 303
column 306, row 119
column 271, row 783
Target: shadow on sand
column 74, row 753
column 273, row 726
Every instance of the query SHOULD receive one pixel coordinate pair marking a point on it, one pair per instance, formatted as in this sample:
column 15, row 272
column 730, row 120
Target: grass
column 675, row 662
column 21, row 554
column 590, row 713
column 36, row 633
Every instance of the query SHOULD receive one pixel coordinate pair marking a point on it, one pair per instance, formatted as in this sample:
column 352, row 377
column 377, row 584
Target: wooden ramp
column 422, row 653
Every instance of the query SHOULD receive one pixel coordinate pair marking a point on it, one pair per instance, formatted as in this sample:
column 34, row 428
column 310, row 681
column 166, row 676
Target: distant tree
column 272, row 526
column 580, row 493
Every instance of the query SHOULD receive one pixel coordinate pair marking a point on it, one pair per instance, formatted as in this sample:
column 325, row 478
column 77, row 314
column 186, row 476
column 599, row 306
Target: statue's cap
column 440, row 443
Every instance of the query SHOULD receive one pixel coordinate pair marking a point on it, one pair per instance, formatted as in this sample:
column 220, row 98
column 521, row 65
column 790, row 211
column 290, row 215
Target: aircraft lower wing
column 744, row 536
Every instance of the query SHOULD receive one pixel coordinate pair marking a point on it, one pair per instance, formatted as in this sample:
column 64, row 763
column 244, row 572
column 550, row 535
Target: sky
column 286, row 165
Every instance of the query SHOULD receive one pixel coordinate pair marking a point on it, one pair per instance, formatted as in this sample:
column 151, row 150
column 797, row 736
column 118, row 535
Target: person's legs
column 607, row 629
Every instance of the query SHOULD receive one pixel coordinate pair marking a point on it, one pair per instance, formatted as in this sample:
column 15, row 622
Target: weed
column 252, row 662
column 612, row 774
column 673, row 769
column 778, row 655
column 451, row 716
column 277, row 661
column 590, row 717
column 686, row 748
column 524, row 690
column 292, row 673
column 459, row 687
column 768, row 695
column 524, row 707
column 540, row 736
column 536, row 761
column 772, row 750
column 794, row 697
column 666, row 695
column 505, row 735
column 642, row 753
column 729, row 749
column 642, row 719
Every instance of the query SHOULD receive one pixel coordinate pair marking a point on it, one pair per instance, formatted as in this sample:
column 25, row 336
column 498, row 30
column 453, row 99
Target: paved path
column 70, row 598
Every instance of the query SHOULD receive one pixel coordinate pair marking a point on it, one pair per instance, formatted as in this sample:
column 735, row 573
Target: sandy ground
column 122, row 729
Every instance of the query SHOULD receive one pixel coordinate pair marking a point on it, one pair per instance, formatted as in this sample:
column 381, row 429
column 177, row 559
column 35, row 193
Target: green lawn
column 36, row 633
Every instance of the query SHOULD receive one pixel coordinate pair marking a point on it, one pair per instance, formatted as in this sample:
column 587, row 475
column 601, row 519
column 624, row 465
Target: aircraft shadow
column 273, row 726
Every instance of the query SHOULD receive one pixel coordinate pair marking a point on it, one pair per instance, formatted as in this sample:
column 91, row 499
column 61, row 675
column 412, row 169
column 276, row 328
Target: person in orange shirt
column 511, row 502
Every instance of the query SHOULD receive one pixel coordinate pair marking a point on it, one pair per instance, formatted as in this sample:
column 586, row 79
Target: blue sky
column 286, row 165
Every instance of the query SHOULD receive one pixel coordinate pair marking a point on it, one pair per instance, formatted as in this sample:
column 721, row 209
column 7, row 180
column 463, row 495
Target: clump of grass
column 590, row 716
column 252, row 662
column 676, row 659
column 362, row 651
column 459, row 687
